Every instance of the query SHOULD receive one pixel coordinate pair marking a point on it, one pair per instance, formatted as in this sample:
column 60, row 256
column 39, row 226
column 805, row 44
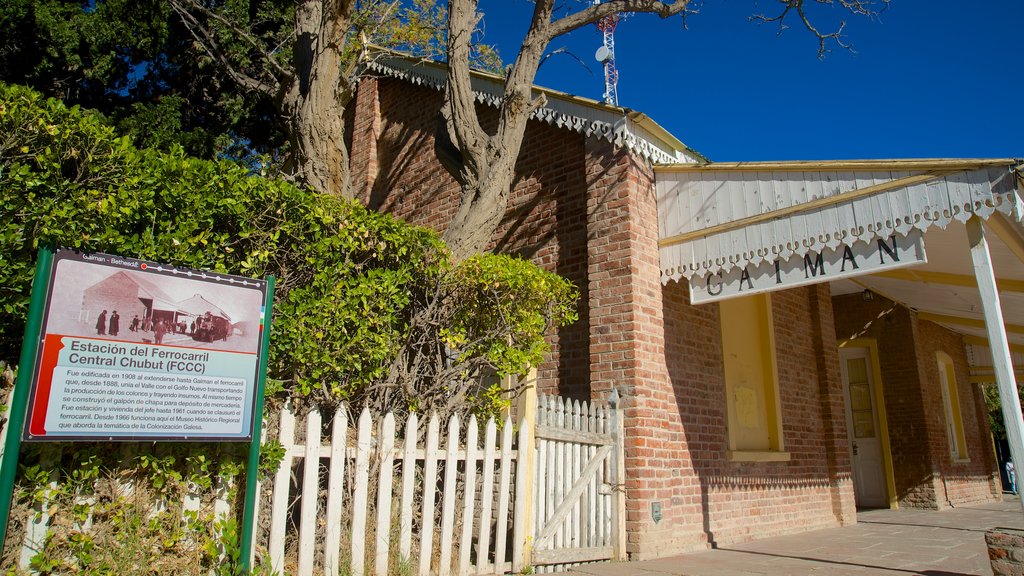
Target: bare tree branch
column 569, row 53
column 595, row 12
column 868, row 8
column 207, row 40
column 466, row 135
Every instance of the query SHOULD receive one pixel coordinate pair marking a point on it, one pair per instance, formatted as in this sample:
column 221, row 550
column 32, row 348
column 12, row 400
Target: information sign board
column 137, row 350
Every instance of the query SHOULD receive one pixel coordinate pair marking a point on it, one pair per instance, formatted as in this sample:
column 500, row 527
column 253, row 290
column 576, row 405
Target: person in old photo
column 158, row 331
column 101, row 324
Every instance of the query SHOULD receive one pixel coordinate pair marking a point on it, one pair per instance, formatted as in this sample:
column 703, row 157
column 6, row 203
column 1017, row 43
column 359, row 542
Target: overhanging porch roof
column 714, row 218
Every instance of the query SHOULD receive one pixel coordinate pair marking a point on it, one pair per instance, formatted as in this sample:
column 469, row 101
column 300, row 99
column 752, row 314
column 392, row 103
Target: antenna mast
column 606, row 56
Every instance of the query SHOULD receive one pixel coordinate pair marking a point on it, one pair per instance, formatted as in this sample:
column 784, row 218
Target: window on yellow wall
column 751, row 380
column 951, row 403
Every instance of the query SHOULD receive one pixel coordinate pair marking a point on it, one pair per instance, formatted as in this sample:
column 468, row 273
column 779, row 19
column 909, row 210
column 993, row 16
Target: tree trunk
column 317, row 135
column 481, row 210
column 314, row 101
column 484, row 165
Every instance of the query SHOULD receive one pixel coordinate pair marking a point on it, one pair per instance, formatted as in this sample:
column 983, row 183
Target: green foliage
column 98, row 526
column 129, row 59
column 136, row 63
column 271, row 455
column 495, row 289
column 353, row 285
column 994, row 407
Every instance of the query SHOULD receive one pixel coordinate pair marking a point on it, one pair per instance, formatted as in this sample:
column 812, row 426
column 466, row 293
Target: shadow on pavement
column 851, row 564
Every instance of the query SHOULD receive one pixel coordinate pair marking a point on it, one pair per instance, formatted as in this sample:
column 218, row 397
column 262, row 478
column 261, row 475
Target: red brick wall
column 547, row 216
column 588, row 211
column 628, row 351
column 923, row 470
column 959, row 482
column 746, row 500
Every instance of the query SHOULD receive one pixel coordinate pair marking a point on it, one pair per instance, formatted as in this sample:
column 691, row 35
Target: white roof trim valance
column 715, row 217
column 590, row 119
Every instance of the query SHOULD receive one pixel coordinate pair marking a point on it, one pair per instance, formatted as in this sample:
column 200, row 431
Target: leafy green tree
column 134, row 62
column 356, row 288
column 203, row 78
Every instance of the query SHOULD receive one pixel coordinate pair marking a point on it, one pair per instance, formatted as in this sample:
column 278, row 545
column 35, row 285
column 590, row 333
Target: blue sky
column 928, row 79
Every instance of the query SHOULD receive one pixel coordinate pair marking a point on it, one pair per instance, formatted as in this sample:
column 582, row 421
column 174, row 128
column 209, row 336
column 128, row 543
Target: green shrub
column 363, row 300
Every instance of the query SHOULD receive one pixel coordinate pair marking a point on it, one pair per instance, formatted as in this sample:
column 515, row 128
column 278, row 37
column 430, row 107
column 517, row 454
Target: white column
column 997, row 341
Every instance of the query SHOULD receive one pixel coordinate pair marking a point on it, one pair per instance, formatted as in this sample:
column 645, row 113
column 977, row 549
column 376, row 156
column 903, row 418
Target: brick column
column 627, row 351
column 833, row 406
column 366, row 127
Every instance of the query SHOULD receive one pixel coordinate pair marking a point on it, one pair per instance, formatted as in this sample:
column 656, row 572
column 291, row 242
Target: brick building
column 739, row 416
column 132, row 295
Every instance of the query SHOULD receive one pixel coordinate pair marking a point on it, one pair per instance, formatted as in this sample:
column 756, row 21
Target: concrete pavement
column 884, row 542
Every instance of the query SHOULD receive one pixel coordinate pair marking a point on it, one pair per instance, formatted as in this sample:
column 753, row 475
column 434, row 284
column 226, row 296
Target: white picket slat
column 483, row 537
column 469, row 493
column 282, row 486
column 576, row 468
column 606, row 513
column 364, row 444
column 408, row 478
column 540, row 471
column 560, row 471
column 522, row 485
column 310, row 488
column 39, row 522
column 550, row 475
column 504, row 481
column 384, row 482
column 335, row 493
column 451, row 467
column 429, row 492
column 589, row 518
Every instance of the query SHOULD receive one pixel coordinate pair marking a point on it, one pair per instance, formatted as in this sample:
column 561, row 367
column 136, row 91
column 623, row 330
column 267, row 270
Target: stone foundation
column 1006, row 551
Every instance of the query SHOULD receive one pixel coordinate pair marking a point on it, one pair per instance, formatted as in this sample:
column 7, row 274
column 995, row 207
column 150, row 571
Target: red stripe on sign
column 52, row 346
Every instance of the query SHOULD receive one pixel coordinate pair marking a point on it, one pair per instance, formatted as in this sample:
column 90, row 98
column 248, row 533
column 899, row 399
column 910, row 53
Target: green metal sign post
column 16, row 419
column 252, row 470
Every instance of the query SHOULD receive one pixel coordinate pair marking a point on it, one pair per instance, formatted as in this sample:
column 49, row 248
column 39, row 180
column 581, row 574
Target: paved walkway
column 884, row 542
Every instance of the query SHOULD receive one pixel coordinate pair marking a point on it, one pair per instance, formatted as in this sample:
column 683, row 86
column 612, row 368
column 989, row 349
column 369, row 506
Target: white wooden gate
column 579, row 503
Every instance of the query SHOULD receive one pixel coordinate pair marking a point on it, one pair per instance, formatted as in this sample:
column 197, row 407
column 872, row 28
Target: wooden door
column 863, row 431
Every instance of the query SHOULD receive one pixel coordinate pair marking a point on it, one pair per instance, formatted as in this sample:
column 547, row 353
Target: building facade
column 738, row 417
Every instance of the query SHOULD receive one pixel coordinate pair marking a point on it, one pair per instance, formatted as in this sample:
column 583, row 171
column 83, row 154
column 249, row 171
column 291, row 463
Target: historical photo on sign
column 133, row 349
column 136, row 306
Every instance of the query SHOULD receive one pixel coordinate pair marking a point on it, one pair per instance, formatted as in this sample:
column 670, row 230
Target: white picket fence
column 445, row 543
column 366, row 499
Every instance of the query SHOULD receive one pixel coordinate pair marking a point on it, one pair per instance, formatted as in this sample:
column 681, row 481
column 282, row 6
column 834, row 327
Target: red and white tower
column 606, row 56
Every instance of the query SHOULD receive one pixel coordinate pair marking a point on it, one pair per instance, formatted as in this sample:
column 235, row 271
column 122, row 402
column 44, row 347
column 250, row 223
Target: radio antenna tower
column 606, row 56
